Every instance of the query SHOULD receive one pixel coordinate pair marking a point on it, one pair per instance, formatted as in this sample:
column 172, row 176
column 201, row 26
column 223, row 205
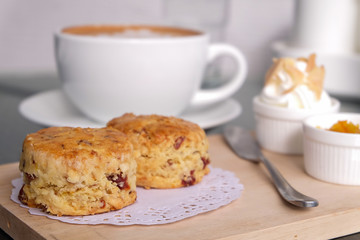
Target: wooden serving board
column 258, row 214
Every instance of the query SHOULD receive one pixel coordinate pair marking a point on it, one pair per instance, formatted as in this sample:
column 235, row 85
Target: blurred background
column 261, row 29
column 26, row 27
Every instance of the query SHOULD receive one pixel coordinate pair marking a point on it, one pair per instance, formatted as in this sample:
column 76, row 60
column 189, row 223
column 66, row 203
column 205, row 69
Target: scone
column 170, row 152
column 77, row 171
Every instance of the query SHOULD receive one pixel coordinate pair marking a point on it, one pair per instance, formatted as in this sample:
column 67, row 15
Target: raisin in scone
column 77, row 171
column 170, row 152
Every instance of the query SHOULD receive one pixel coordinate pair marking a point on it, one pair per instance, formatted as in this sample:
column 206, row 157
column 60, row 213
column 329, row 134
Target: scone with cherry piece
column 170, row 152
column 77, row 171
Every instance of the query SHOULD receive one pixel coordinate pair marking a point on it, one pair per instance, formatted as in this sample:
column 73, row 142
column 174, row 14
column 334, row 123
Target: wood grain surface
column 258, row 214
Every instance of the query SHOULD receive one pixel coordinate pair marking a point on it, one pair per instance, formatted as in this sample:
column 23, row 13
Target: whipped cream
column 295, row 84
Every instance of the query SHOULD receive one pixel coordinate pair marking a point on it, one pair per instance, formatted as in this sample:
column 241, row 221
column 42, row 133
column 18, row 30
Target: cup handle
column 210, row 96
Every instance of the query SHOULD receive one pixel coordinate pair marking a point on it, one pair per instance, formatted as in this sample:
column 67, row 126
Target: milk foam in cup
column 293, row 90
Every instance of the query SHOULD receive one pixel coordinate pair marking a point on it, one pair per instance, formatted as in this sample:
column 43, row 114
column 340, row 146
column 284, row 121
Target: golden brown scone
column 170, row 152
column 77, row 171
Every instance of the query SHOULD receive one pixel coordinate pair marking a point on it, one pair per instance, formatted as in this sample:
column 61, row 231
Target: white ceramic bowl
column 332, row 156
column 280, row 129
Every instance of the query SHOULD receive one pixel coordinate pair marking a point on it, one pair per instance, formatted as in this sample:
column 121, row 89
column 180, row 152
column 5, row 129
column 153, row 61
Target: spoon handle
column 285, row 189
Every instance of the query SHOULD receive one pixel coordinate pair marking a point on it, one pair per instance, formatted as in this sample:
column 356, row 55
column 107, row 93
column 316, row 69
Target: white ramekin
column 280, row 129
column 332, row 156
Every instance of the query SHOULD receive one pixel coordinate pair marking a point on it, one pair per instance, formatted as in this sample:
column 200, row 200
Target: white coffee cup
column 108, row 70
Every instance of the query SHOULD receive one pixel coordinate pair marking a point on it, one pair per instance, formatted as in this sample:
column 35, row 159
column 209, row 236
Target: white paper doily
column 160, row 206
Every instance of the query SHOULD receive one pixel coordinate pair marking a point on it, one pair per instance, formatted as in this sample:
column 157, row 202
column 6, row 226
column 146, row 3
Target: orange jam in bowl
column 345, row 127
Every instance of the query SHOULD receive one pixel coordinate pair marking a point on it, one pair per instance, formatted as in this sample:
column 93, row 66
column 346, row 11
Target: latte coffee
column 131, row 31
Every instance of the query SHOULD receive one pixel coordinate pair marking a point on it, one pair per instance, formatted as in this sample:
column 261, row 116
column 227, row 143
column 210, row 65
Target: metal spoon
column 245, row 146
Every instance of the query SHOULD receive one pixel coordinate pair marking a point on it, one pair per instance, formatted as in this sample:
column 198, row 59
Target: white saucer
column 52, row 108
